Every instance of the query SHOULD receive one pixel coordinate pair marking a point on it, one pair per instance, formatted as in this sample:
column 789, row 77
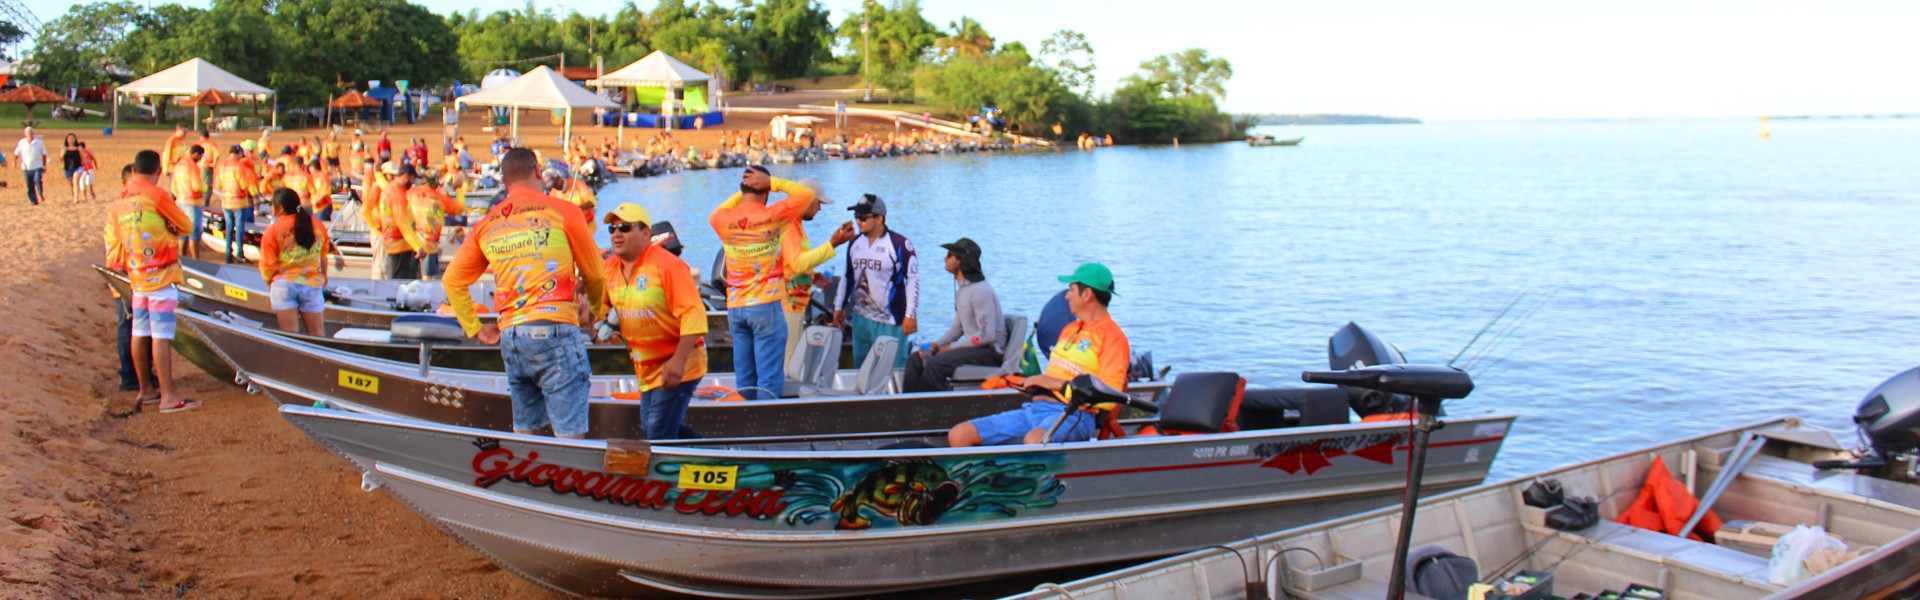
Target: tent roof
column 656, row 70
column 193, row 77
column 539, row 88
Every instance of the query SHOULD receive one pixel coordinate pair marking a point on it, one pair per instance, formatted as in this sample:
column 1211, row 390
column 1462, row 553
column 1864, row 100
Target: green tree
column 1189, row 72
column 967, row 40
column 786, row 38
column 347, row 42
column 77, row 48
column 705, row 36
column 506, row 35
column 11, row 33
column 1071, row 57
column 900, row 36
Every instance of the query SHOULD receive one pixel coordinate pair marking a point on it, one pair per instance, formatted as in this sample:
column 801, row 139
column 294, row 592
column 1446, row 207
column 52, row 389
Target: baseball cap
column 818, row 191
column 408, row 170
column 1093, row 275
column 628, row 212
column 871, row 204
column 390, row 168
column 963, row 248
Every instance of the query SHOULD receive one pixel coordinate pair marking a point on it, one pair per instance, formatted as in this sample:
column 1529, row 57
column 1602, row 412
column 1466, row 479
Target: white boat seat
column 428, row 328
column 359, row 334
column 814, row 360
column 1009, row 355
column 1202, row 403
column 876, row 372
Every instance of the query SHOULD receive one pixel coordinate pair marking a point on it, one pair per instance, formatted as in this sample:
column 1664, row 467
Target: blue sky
column 1475, row 59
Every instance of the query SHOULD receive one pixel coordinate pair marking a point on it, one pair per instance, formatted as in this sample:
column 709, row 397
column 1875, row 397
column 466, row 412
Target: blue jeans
column 548, row 377
column 663, row 411
column 866, row 330
column 35, row 188
column 759, row 349
column 236, row 232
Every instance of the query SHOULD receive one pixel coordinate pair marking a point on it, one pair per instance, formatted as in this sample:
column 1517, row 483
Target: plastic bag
column 1788, row 565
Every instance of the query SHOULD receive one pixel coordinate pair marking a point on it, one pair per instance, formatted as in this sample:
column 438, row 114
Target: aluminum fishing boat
column 887, row 510
column 292, row 371
column 1769, row 476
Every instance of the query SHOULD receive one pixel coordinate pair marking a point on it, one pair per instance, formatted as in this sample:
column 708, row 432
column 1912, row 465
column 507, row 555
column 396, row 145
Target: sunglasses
column 622, row 227
column 863, row 216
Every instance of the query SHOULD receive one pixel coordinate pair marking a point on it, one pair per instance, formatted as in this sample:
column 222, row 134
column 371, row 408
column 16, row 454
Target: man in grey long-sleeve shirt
column 978, row 335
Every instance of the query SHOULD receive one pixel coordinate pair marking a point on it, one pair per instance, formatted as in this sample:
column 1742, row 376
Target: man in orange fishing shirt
column 142, row 233
column 655, row 306
column 236, row 182
column 538, row 248
column 750, row 233
column 190, row 192
column 405, row 250
column 1092, row 345
column 427, row 209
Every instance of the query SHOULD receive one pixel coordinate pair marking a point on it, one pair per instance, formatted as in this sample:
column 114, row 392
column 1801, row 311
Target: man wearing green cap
column 1092, row 345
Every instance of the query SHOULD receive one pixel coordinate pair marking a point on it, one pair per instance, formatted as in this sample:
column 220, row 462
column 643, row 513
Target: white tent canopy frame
column 540, row 88
column 191, row 77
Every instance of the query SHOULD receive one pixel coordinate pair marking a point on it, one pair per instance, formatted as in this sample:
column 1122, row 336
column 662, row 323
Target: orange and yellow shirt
column 175, row 149
column 281, row 259
column 658, row 303
column 236, row 181
column 188, row 187
column 210, row 153
column 397, row 221
column 320, row 189
column 539, row 250
column 143, row 228
column 1098, row 349
column 800, row 262
column 750, row 235
column 429, row 207
column 296, row 178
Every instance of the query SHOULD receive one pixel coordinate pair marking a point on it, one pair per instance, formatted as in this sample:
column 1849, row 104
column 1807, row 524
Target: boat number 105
column 1221, row 451
column 709, row 477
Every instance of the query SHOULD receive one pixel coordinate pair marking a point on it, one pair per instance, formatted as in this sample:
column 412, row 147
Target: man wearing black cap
column 978, row 334
column 883, row 282
column 404, row 246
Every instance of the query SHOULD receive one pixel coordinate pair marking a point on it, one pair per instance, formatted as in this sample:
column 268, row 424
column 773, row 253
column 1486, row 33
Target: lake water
column 1690, row 276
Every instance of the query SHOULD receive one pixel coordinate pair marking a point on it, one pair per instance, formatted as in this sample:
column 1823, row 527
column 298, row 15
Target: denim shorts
column 548, row 376
column 1011, row 427
column 287, row 295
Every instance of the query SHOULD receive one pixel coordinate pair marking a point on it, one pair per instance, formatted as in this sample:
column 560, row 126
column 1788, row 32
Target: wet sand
column 228, row 499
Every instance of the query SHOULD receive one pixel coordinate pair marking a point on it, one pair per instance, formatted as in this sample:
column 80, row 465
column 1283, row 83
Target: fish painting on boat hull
column 913, row 491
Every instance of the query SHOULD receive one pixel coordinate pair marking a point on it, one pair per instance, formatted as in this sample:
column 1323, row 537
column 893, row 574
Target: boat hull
column 540, row 508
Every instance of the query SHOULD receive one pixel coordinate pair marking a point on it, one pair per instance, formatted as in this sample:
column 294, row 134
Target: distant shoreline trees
column 308, row 50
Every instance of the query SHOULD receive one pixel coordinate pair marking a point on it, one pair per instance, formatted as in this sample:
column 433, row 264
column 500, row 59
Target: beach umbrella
column 208, row 98
column 30, row 95
column 355, row 101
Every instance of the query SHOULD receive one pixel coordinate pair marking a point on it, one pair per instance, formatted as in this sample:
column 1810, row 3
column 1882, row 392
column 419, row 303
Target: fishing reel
column 1889, row 422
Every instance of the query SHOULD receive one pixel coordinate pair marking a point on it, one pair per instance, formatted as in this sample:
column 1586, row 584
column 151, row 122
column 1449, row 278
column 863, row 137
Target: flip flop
column 153, row 400
column 184, row 405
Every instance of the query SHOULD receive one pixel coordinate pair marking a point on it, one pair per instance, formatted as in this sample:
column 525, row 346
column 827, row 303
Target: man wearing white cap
column 801, row 261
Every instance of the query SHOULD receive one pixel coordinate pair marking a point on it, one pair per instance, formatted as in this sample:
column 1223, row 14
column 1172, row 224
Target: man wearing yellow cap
column 655, row 305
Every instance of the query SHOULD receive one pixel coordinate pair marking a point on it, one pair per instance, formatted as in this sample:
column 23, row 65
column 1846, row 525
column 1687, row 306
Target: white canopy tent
column 186, row 79
column 655, row 70
column 540, row 88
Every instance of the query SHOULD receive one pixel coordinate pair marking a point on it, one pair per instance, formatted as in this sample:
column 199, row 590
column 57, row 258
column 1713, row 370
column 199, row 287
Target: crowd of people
column 557, row 290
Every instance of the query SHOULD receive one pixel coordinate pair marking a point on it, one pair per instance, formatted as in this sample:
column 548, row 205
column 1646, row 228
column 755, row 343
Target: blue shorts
column 287, row 295
column 1011, row 427
column 548, row 376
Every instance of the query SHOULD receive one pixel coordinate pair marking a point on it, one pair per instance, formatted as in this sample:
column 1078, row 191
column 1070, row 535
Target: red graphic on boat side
column 1313, row 455
column 496, row 464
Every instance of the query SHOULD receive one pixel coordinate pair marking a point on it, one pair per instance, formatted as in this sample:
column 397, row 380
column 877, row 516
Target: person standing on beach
column 405, row 250
column 70, row 163
column 373, row 187
column 142, row 232
column 87, row 166
column 800, row 262
column 427, row 208
column 236, row 183
column 883, row 283
column 175, row 148
column 750, row 233
column 123, row 338
column 385, row 147
column 32, row 156
column 655, row 304
column 978, row 333
column 540, row 251
column 293, row 255
column 191, row 193
column 209, row 157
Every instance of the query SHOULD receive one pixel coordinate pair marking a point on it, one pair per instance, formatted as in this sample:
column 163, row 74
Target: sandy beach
column 228, row 501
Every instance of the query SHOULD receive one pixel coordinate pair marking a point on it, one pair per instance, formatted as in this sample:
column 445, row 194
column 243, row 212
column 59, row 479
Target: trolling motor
column 1889, row 420
column 1428, row 385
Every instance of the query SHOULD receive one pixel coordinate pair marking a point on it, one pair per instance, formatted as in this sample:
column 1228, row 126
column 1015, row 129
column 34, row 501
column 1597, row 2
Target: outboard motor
column 1353, row 347
column 664, row 235
column 718, row 276
column 1889, row 419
